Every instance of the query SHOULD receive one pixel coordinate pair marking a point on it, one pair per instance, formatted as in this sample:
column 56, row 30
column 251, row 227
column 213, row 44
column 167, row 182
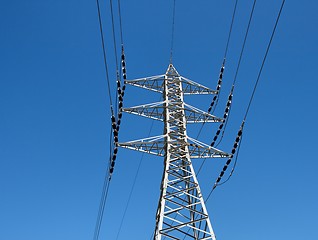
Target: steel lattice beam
column 181, row 210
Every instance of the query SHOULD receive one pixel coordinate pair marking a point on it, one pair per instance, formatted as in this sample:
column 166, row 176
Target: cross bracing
column 181, row 212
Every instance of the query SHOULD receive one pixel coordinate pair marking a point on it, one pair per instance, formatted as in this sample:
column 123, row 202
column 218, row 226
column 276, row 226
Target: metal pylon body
column 181, row 212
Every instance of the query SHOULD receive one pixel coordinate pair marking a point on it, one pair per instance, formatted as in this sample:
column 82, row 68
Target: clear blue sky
column 54, row 117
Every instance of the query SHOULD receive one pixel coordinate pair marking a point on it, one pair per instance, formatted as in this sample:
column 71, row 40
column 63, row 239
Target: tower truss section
column 181, row 212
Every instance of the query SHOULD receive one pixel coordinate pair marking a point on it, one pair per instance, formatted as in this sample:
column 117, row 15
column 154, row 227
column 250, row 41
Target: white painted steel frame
column 181, row 213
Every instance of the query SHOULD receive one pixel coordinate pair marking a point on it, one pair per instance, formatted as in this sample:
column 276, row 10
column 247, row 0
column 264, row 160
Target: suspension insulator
column 115, row 150
column 120, row 114
column 115, row 132
column 118, row 122
column 218, row 87
column 120, row 98
column 222, row 172
column 116, row 139
column 123, row 64
column 233, row 151
column 113, row 119
column 120, row 105
column 114, row 125
column 114, row 157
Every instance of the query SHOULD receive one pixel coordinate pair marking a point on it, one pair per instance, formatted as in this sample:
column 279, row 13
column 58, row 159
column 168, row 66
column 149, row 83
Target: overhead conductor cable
column 240, row 133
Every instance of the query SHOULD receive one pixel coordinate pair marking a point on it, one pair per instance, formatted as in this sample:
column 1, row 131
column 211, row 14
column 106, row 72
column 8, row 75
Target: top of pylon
column 172, row 70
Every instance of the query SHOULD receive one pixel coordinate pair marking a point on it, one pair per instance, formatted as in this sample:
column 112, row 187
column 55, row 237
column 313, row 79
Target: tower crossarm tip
column 154, row 83
column 151, row 110
column 191, row 87
column 198, row 149
column 152, row 145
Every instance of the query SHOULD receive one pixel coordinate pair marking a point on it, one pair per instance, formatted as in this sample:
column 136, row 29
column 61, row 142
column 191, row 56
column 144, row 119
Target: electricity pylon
column 181, row 213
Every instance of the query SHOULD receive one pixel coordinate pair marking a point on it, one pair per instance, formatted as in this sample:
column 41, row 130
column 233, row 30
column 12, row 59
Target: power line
column 230, row 31
column 120, row 24
column 104, row 55
column 106, row 184
column 228, row 109
column 264, row 59
column 244, row 42
column 215, row 99
column 251, row 99
column 114, row 35
column 238, row 67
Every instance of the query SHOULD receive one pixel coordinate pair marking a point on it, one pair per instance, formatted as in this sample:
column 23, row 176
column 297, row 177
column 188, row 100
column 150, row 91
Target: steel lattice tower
column 181, row 213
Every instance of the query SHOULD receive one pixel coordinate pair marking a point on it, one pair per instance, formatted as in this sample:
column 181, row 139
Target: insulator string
column 215, row 97
column 225, row 115
column 218, row 90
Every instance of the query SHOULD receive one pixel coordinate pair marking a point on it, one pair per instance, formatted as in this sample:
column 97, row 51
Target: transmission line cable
column 238, row 66
column 120, row 23
column 228, row 109
column 239, row 141
column 115, row 49
column 215, row 99
column 107, row 178
column 230, row 31
column 104, row 56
